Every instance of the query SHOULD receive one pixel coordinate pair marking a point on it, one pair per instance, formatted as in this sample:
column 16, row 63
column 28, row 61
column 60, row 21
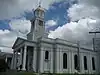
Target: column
column 16, row 60
column 34, row 59
column 12, row 64
column 69, row 62
column 51, row 60
column 89, row 63
column 81, row 63
column 6, row 59
column 21, row 56
column 41, row 60
column 24, row 58
column 57, row 64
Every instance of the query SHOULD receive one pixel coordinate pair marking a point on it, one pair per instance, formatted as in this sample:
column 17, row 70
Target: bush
column 3, row 65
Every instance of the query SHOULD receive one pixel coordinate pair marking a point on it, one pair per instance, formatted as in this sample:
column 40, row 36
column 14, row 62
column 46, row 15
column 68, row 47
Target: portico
column 24, row 55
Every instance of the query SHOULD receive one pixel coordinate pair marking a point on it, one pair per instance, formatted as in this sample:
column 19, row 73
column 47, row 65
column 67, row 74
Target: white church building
column 38, row 53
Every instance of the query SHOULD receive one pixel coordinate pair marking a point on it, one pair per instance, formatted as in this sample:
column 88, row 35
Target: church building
column 38, row 53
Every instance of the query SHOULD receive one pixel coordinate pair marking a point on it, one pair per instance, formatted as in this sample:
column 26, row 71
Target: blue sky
column 57, row 11
column 65, row 15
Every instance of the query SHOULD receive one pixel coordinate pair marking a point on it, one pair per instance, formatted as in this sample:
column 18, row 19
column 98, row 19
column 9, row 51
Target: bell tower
column 37, row 24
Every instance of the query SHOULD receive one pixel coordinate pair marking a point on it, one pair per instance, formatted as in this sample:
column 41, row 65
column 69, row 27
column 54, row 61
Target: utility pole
column 97, row 32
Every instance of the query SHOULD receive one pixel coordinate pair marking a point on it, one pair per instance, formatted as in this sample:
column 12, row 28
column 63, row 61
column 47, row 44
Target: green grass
column 31, row 73
column 17, row 73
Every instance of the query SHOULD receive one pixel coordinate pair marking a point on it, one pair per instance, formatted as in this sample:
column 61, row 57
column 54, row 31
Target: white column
column 21, row 56
column 81, row 62
column 69, row 61
column 12, row 64
column 34, row 59
column 89, row 64
column 41, row 60
column 24, row 58
column 16, row 60
column 57, row 60
column 6, row 59
column 51, row 60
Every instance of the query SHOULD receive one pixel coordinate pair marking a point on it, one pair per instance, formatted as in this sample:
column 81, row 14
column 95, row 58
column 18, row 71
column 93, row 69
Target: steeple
column 40, row 3
column 37, row 24
column 39, row 11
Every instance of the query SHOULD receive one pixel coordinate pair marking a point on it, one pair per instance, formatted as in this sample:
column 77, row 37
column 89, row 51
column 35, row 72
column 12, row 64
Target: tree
column 3, row 65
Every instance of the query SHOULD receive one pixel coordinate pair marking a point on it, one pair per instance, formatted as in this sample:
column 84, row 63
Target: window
column 46, row 55
column 65, row 61
column 40, row 23
column 75, row 62
column 85, row 63
column 42, row 14
column 37, row 13
column 93, row 63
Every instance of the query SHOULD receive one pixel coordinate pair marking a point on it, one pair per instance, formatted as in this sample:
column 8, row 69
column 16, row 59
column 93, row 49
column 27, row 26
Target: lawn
column 31, row 73
column 17, row 73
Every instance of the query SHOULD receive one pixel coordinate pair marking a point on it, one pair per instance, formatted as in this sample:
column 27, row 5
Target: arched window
column 75, row 62
column 93, row 63
column 85, row 63
column 65, row 61
column 46, row 55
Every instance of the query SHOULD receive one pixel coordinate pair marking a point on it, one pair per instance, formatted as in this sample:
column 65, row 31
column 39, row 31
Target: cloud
column 75, row 31
column 7, row 38
column 15, row 8
column 20, row 25
column 19, row 28
column 79, row 11
column 50, row 23
column 84, row 17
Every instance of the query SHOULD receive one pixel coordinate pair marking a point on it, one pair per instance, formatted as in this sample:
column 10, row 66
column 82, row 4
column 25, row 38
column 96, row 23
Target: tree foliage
column 3, row 65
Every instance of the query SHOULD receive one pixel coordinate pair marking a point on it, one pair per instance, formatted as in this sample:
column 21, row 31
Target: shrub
column 3, row 65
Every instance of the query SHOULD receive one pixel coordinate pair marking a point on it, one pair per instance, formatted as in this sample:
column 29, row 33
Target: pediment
column 17, row 42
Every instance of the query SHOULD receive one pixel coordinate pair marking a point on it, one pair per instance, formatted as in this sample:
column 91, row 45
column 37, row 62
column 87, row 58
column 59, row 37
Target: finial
column 39, row 3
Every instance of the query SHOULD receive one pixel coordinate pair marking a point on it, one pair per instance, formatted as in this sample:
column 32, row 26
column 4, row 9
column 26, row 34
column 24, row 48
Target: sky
column 71, row 20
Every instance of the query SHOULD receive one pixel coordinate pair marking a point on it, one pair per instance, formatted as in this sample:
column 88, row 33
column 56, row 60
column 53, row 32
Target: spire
column 39, row 4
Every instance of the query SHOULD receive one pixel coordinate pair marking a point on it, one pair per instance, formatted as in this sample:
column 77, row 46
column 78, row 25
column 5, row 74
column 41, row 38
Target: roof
column 5, row 54
column 20, row 41
column 49, row 40
column 40, row 8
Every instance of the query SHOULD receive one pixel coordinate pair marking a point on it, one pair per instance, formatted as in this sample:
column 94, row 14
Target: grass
column 31, row 73
column 17, row 73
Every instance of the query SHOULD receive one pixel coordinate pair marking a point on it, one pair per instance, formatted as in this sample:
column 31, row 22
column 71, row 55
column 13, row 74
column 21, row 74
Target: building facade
column 38, row 53
column 7, row 57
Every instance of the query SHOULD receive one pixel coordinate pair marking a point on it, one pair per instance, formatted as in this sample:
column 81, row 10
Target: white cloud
column 50, row 23
column 20, row 25
column 7, row 39
column 4, row 32
column 86, row 13
column 19, row 28
column 79, row 11
column 75, row 31
column 13, row 8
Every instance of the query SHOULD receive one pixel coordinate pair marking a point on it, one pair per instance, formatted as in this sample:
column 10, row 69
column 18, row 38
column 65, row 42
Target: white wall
column 48, row 66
